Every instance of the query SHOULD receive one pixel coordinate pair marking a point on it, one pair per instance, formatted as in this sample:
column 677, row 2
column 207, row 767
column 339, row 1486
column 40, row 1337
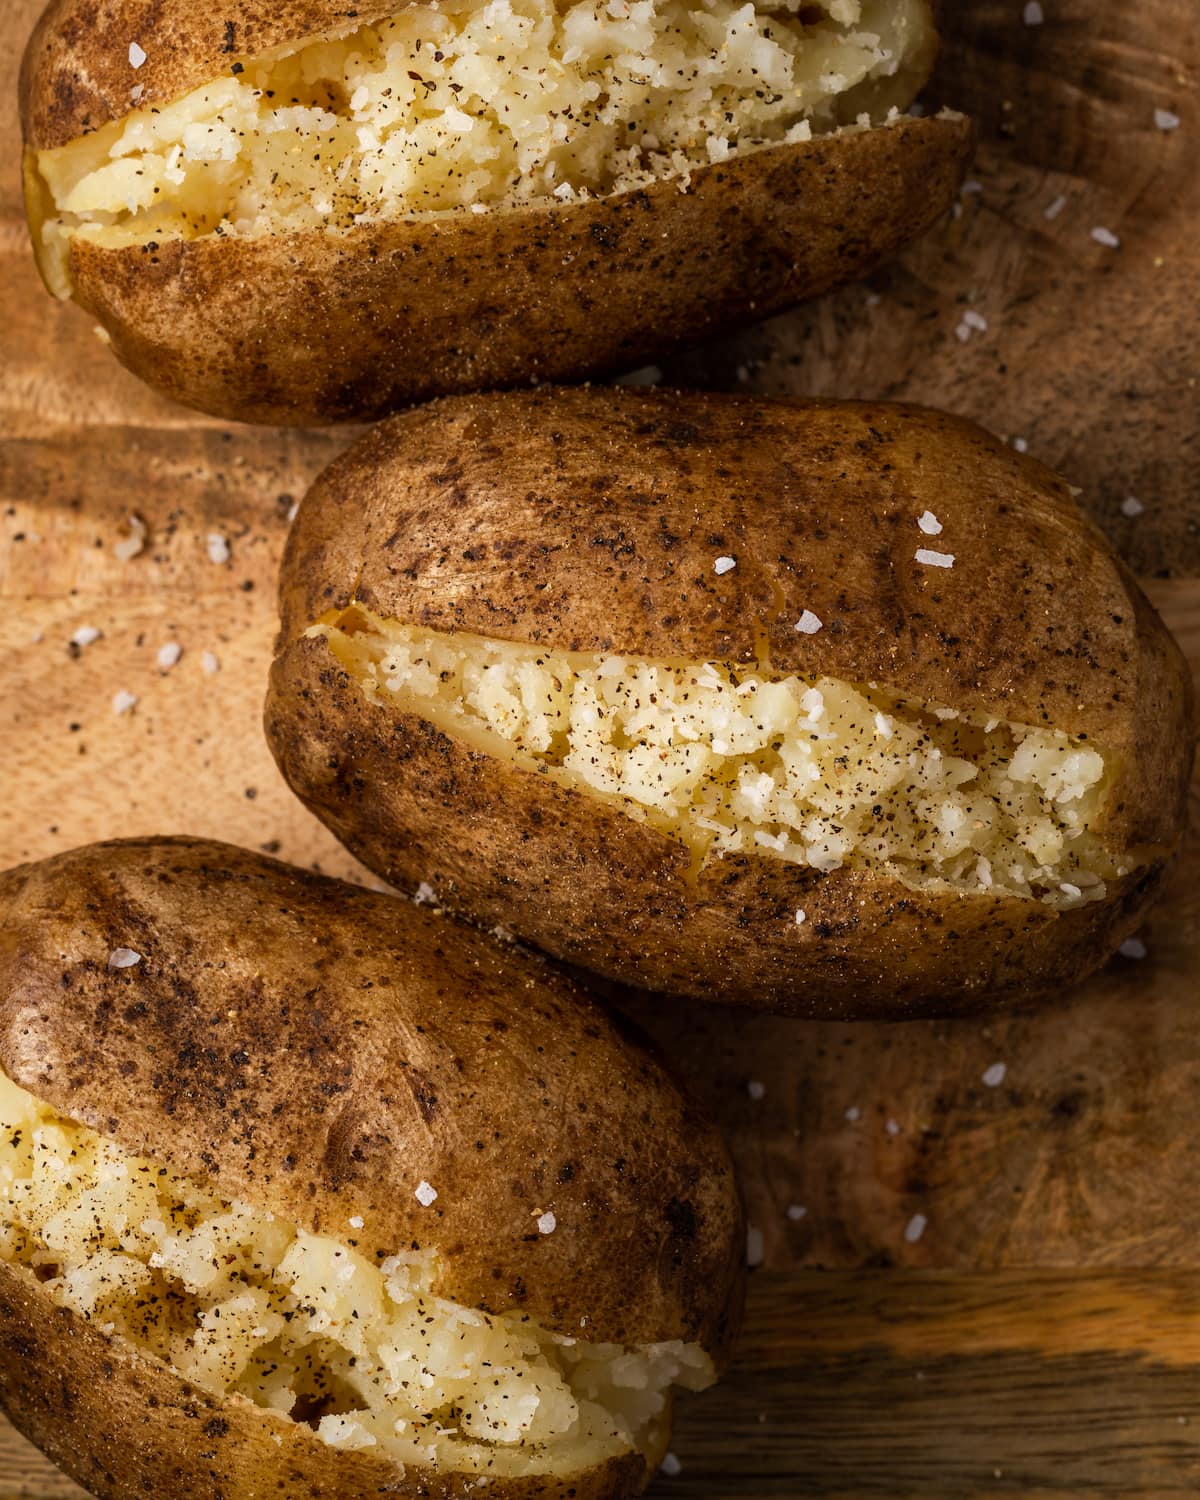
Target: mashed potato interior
column 309, row 1327
column 461, row 105
column 728, row 759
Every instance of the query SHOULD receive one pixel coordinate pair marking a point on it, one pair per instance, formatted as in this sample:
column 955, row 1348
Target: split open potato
column 306, row 214
column 307, row 1191
column 841, row 709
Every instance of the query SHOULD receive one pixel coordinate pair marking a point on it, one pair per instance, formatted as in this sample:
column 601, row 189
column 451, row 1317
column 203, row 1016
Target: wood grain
column 1041, row 1336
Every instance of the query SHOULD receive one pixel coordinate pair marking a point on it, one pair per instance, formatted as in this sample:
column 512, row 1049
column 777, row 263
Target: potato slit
column 462, row 107
column 730, row 759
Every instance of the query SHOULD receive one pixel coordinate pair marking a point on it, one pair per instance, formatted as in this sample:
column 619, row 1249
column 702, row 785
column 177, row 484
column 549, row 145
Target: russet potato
column 307, row 214
column 840, row 709
column 305, row 1190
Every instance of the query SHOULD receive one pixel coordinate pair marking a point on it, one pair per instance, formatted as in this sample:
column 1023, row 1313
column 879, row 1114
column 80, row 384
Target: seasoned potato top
column 459, row 106
column 311, row 1327
column 322, row 1052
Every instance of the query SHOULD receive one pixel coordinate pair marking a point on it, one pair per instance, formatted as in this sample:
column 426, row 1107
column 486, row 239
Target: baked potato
column 305, row 1191
column 840, row 709
column 303, row 213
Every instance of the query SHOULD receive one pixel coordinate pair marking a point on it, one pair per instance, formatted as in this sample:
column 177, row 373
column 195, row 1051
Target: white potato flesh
column 815, row 771
column 460, row 106
column 306, row 1325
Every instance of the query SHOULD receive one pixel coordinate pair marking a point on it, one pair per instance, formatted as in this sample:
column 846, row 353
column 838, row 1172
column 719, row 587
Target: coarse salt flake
column 168, row 655
column 1131, row 506
column 1106, row 237
column 123, row 958
column 853, row 1113
column 218, row 547
column 1054, row 207
column 85, row 635
column 136, row 56
column 934, row 559
column 424, row 894
column 1132, row 948
column 796, row 1211
column 425, row 1193
column 1166, row 119
column 756, row 1090
column 547, row 1223
column 808, row 623
column 356, row 1222
column 929, row 523
column 129, row 547
column 1033, row 14
column 123, row 701
column 209, row 662
column 993, row 1077
column 671, row 1466
column 915, row 1228
column 724, row 565
column 892, row 1127
column 801, row 917
column 975, row 320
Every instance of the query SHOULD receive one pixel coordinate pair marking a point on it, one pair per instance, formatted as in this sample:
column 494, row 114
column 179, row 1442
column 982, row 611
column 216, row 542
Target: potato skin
column 313, row 327
column 318, row 1050
column 589, row 521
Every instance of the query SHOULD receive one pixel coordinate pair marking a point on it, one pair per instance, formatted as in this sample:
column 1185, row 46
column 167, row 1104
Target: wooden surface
column 1042, row 1335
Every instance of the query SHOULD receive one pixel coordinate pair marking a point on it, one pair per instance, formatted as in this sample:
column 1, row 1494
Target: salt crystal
column 892, row 1127
column 218, row 548
column 1054, row 207
column 915, row 1228
column 1033, row 14
column 1105, row 237
column 1166, row 119
column 971, row 186
column 209, row 662
column 424, row 894
column 168, row 655
column 808, row 624
column 1131, row 506
column 122, row 702
column 425, row 1194
column 136, row 56
column 935, row 559
column 547, row 1223
column 671, row 1466
column 801, row 917
column 975, row 320
column 1132, row 948
column 994, row 1076
column 755, row 1249
column 929, row 523
column 796, row 1211
column 1073, row 891
column 853, row 1113
column 85, row 635
column 356, row 1222
column 756, row 1090
column 129, row 547
column 123, row 958
column 724, row 565
column 1020, row 445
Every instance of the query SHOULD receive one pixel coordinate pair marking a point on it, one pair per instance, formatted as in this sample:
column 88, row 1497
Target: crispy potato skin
column 126, row 1427
column 318, row 1050
column 316, row 327
column 589, row 521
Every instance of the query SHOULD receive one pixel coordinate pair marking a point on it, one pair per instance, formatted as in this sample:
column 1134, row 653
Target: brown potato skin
column 590, row 521
column 316, row 327
column 317, row 1050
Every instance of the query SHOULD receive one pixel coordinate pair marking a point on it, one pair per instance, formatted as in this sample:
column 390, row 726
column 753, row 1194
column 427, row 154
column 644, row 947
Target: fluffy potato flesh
column 727, row 759
column 461, row 106
column 307, row 1327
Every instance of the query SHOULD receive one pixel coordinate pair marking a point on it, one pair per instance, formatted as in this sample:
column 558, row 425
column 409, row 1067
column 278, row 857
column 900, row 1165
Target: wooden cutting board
column 1041, row 1334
